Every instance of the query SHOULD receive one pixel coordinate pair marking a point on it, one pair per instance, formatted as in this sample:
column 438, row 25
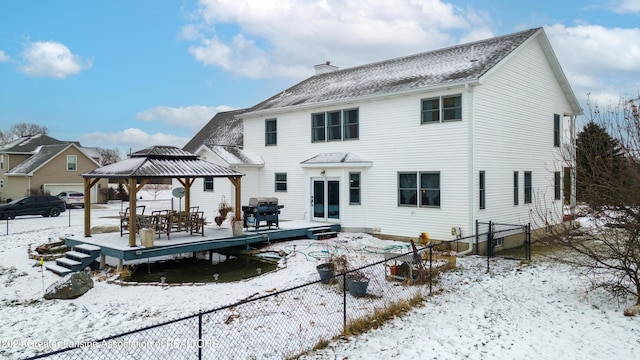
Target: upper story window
column 72, row 162
column 281, row 182
column 1, row 162
column 335, row 125
column 556, row 130
column 271, row 132
column 443, row 108
column 207, row 184
column 516, row 188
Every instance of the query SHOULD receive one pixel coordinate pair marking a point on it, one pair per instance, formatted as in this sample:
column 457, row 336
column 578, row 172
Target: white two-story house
column 422, row 143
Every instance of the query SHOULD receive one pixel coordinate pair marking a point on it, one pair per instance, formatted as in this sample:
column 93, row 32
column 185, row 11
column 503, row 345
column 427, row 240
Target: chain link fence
column 283, row 324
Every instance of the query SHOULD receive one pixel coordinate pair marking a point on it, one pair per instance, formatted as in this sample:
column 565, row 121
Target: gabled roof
column 41, row 156
column 456, row 65
column 224, row 129
column 223, row 136
column 162, row 162
column 28, row 145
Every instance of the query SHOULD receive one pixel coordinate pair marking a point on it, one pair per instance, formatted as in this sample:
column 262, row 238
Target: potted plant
column 358, row 284
column 326, row 272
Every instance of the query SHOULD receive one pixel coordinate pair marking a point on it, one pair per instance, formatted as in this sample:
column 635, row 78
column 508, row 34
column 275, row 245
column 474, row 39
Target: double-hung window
column 281, row 182
column 72, row 162
column 207, row 184
column 271, row 132
column 335, row 125
column 318, row 127
column 354, row 188
column 516, row 189
column 481, row 190
column 556, row 130
column 419, row 189
column 528, row 191
column 557, row 189
column 443, row 108
column 1, row 162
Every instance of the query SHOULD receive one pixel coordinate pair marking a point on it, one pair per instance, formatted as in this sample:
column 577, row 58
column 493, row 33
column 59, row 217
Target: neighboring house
column 40, row 165
column 425, row 143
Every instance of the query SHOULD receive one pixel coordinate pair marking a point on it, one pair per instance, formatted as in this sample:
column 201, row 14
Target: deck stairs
column 75, row 260
column 321, row 233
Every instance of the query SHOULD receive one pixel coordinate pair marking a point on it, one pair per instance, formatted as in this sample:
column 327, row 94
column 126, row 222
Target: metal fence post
column 200, row 336
column 430, row 268
column 344, row 302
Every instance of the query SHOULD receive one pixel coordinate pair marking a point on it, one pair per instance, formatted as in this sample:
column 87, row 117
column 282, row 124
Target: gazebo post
column 87, row 207
column 238, row 223
column 132, row 212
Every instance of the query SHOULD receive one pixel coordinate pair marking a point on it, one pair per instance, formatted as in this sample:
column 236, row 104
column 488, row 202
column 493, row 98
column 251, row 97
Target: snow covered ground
column 536, row 311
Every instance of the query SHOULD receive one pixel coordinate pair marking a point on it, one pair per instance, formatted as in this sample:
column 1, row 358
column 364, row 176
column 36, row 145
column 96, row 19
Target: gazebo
column 159, row 162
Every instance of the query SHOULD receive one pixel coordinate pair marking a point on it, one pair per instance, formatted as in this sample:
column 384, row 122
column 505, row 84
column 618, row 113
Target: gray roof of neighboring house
column 162, row 162
column 41, row 156
column 27, row 145
column 452, row 65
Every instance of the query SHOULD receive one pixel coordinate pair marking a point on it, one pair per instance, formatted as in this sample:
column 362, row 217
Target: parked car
column 33, row 205
column 72, row 198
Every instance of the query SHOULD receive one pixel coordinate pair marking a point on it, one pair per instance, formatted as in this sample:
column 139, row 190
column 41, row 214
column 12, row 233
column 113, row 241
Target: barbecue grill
column 259, row 210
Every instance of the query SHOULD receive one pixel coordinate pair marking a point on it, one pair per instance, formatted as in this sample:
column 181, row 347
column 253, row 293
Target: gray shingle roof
column 41, row 157
column 30, row 144
column 456, row 64
column 162, row 162
column 222, row 130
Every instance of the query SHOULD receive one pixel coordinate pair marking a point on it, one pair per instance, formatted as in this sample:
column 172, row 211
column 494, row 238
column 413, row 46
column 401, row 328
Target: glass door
column 325, row 199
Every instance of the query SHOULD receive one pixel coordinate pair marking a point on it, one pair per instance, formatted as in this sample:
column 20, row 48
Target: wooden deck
column 116, row 246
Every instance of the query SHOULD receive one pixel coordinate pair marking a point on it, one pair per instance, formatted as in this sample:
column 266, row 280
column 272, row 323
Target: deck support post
column 103, row 261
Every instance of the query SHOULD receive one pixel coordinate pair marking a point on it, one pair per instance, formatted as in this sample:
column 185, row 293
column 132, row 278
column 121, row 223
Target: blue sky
column 129, row 74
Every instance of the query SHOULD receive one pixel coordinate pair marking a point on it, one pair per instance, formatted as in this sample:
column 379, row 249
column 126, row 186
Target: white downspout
column 471, row 168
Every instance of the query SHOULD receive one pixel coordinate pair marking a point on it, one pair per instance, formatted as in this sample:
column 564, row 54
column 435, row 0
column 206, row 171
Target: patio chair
column 124, row 219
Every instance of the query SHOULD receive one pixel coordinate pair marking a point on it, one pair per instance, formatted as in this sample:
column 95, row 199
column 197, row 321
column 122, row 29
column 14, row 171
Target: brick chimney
column 325, row 68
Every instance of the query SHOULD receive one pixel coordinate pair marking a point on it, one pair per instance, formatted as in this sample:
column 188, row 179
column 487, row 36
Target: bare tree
column 27, row 130
column 155, row 189
column 109, row 156
column 608, row 185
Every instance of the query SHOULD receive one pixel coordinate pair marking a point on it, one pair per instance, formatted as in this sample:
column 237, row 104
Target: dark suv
column 33, row 205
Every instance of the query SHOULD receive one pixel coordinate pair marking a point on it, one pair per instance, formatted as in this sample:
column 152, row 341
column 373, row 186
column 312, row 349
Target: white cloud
column 286, row 38
column 598, row 60
column 132, row 139
column 625, row 6
column 4, row 57
column 192, row 117
column 51, row 59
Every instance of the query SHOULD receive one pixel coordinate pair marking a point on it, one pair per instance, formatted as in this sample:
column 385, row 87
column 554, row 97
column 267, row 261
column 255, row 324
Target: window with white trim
column 281, row 182
column 557, row 187
column 428, row 185
column 481, row 190
column 528, row 190
column 207, row 184
column 72, row 162
column 354, row 188
column 1, row 162
column 556, row 130
column 442, row 108
column 271, row 132
column 335, row 125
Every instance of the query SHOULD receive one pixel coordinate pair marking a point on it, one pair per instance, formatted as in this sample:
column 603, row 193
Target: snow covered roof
column 234, row 155
column 336, row 160
column 28, row 145
column 162, row 162
column 224, row 129
column 41, row 156
column 443, row 67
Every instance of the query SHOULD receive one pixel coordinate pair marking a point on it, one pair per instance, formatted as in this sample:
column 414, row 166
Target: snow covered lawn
column 537, row 311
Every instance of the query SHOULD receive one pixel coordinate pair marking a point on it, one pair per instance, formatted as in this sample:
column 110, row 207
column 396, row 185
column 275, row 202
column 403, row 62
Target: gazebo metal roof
column 158, row 162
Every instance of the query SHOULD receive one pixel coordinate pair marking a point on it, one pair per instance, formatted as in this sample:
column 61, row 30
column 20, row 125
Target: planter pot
column 394, row 269
column 358, row 288
column 326, row 272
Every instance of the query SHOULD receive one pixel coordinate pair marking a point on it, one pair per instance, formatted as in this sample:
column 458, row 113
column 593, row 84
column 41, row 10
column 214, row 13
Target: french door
column 325, row 199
